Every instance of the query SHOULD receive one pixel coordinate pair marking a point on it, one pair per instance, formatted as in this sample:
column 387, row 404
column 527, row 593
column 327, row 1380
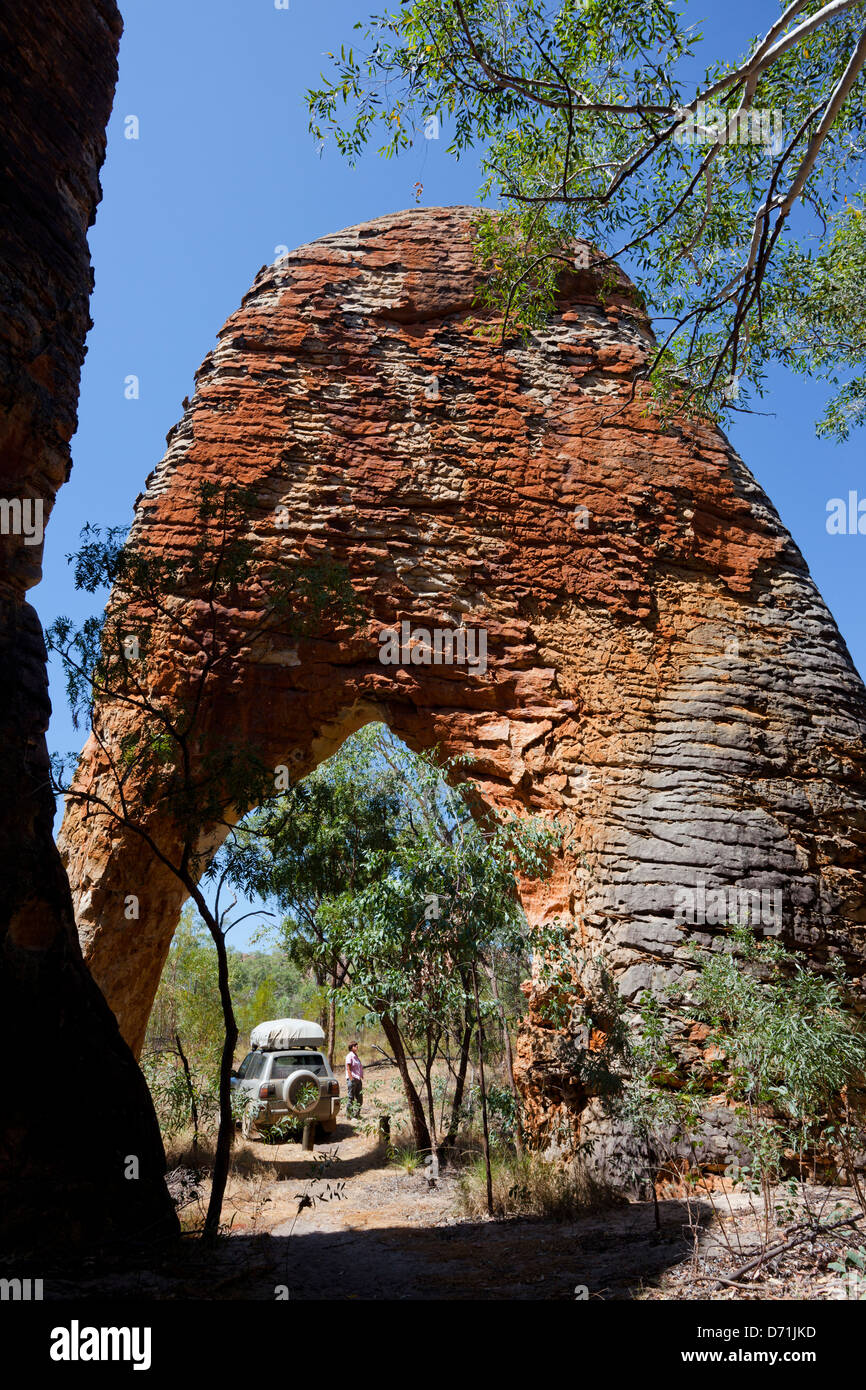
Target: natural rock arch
column 662, row 672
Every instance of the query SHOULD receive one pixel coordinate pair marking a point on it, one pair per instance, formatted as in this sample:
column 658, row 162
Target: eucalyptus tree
column 720, row 194
column 310, row 854
column 450, row 905
column 400, row 884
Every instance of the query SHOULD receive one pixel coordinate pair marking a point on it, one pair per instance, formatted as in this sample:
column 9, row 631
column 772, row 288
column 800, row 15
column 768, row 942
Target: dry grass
column 532, row 1186
column 190, row 1167
column 181, row 1152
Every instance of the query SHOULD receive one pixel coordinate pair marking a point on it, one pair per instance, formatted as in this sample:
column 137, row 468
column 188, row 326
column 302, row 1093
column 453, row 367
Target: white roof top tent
column 286, row 1032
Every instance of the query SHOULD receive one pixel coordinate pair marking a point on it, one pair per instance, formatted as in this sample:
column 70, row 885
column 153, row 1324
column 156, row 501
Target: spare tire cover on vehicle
column 293, row 1084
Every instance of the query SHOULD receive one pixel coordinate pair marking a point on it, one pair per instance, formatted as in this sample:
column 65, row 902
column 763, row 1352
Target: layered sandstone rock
column 61, row 1176
column 661, row 671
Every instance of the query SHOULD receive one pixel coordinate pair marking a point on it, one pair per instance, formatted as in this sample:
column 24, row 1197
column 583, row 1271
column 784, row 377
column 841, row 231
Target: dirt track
column 345, row 1223
column 376, row 1232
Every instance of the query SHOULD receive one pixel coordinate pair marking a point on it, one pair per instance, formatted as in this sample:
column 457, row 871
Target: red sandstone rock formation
column 61, row 1178
column 662, row 673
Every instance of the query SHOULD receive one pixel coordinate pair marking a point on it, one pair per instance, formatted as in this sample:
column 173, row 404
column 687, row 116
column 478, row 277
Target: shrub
column 406, row 1157
column 180, row 1101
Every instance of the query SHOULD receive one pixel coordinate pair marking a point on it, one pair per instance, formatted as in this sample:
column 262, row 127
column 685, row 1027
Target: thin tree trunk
column 460, row 1084
column 190, row 1089
column 483, row 1094
column 320, row 976
column 428, row 1086
column 225, row 1134
column 416, row 1110
column 332, row 1017
column 653, row 1168
column 509, row 1061
column 848, row 1159
column 443, row 1099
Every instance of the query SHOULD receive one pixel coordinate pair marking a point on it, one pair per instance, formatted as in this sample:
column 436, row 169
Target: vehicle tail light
column 266, row 1089
column 333, row 1088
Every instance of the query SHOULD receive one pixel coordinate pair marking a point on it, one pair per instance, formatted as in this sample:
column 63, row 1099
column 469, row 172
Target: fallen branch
column 811, row 1234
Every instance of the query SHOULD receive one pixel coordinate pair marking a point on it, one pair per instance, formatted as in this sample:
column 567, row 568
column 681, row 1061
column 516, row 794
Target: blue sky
column 223, row 173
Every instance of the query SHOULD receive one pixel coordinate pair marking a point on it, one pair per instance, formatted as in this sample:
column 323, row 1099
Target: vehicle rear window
column 287, row 1062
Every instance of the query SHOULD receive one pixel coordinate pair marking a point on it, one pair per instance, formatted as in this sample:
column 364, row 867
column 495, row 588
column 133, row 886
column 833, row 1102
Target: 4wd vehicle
column 286, row 1076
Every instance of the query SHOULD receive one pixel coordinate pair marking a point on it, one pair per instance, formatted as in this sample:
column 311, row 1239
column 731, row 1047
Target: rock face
column 61, row 1177
column 661, row 672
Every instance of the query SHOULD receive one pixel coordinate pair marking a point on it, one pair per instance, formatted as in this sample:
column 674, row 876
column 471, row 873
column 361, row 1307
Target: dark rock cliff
column 73, row 1105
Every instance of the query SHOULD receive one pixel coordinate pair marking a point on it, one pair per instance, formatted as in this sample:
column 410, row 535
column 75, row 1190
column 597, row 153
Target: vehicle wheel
column 328, row 1126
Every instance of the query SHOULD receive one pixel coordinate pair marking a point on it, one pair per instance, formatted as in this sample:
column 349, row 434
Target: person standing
column 354, row 1081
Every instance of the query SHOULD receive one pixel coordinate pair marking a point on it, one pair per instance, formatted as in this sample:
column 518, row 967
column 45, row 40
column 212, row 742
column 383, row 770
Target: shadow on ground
column 610, row 1255
column 297, row 1168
